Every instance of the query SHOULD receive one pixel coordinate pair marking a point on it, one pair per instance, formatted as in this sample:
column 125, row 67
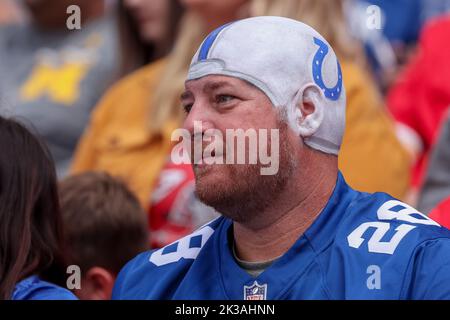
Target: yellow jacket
column 117, row 140
column 371, row 157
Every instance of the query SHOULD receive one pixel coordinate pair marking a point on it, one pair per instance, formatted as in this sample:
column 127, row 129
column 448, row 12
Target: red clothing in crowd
column 441, row 214
column 421, row 96
column 175, row 210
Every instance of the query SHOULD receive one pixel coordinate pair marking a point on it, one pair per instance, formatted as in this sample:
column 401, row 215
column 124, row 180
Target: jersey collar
column 294, row 262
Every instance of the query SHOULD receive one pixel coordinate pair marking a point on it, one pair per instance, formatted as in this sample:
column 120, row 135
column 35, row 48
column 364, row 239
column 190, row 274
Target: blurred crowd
column 104, row 98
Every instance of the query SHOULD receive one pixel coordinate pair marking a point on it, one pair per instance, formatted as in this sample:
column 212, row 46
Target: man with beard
column 301, row 233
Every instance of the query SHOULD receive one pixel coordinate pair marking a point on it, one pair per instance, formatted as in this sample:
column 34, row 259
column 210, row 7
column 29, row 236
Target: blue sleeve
column 431, row 271
column 33, row 288
column 53, row 294
column 118, row 284
column 127, row 277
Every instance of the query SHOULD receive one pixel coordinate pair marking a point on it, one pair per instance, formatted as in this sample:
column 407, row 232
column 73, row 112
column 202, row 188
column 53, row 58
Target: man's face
column 223, row 103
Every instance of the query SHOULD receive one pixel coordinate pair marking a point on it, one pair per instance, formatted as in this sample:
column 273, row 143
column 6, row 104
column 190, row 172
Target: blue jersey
column 33, row 288
column 361, row 246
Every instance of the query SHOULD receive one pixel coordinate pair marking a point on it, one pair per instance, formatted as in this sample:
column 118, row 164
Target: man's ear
column 100, row 282
column 309, row 110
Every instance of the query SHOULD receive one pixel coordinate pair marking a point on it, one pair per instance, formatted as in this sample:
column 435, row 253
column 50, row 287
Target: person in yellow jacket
column 130, row 131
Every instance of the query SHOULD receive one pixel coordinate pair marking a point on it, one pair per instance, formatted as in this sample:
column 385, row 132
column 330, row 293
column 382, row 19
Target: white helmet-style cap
column 284, row 58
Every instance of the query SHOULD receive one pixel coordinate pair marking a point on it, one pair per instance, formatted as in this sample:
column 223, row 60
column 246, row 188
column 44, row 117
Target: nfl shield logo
column 255, row 292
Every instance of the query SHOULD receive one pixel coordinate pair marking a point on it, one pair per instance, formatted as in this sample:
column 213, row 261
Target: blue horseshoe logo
column 331, row 93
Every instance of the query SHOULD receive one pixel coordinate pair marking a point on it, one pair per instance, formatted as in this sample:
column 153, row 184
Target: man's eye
column 187, row 107
column 223, row 98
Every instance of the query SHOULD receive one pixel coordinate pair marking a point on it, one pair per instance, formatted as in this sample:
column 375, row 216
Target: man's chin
column 211, row 182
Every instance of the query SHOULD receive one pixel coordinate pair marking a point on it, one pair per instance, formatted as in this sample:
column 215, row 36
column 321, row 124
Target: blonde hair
column 326, row 16
column 166, row 105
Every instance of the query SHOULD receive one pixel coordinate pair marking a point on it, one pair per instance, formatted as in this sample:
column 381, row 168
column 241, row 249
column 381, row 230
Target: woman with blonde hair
column 130, row 131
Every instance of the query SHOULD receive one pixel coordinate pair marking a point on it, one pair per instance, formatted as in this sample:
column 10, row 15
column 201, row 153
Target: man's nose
column 200, row 114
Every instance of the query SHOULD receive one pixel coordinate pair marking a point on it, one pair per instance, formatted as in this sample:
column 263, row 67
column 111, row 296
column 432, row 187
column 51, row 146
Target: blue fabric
column 207, row 44
column 33, row 288
column 403, row 19
column 331, row 93
column 362, row 246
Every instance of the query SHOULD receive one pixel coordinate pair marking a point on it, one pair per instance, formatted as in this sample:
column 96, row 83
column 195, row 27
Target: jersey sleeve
column 129, row 276
column 53, row 294
column 430, row 271
column 34, row 288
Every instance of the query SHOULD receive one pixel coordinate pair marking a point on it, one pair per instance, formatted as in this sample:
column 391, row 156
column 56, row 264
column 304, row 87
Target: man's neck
column 287, row 219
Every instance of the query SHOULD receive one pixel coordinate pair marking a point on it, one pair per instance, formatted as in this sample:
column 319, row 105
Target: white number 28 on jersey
column 188, row 247
column 390, row 210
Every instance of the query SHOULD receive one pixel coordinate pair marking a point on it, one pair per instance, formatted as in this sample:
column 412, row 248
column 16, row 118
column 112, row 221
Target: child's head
column 104, row 226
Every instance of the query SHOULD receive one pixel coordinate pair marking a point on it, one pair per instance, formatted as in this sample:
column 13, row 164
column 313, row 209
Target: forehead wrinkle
column 212, row 86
